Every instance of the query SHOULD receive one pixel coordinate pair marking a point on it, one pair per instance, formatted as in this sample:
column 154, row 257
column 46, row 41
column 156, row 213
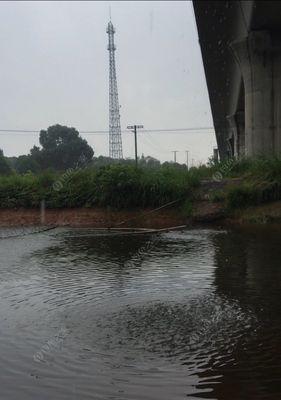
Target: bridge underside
column 241, row 50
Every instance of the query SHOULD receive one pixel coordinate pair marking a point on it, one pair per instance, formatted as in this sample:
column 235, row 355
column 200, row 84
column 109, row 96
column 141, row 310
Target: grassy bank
column 239, row 185
column 117, row 186
column 259, row 183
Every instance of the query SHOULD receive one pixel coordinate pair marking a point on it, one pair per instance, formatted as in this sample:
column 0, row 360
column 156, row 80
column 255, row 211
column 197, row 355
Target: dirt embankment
column 263, row 214
column 89, row 217
column 207, row 210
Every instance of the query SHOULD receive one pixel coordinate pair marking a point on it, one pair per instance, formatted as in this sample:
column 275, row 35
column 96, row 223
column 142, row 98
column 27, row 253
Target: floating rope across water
column 14, row 232
column 147, row 212
column 94, row 232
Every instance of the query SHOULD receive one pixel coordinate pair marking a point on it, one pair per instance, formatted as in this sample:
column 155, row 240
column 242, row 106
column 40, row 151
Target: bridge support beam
column 259, row 58
column 236, row 138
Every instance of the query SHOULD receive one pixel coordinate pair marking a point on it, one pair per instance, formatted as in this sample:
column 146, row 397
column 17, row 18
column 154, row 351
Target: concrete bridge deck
column 241, row 49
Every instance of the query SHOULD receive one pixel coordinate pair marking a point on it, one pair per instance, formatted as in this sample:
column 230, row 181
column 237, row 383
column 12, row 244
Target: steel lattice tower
column 115, row 139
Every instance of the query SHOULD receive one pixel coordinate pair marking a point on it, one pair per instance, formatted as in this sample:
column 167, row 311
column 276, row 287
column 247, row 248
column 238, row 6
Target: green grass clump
column 242, row 197
column 21, row 191
column 217, row 196
column 187, row 208
column 262, row 182
column 125, row 186
column 266, row 168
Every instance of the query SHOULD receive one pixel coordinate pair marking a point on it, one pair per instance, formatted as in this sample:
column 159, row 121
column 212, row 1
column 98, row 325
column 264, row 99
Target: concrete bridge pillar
column 259, row 58
column 237, row 133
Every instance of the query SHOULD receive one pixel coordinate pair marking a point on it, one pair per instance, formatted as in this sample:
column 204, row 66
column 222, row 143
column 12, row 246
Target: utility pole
column 134, row 128
column 175, row 155
column 186, row 151
column 216, row 155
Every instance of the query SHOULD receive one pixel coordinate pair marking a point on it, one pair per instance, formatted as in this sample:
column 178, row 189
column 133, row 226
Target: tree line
column 63, row 148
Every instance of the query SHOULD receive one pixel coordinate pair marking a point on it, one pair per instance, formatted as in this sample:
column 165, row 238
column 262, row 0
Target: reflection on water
column 248, row 270
column 90, row 316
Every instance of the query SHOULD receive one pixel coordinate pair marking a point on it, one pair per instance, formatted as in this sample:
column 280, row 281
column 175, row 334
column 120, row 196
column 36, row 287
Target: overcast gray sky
column 54, row 69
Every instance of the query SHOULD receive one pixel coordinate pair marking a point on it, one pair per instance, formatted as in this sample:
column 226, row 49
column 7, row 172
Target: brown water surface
column 86, row 315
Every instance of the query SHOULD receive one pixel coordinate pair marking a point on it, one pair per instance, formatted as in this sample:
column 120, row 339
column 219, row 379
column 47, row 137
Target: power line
column 106, row 132
column 18, row 131
column 159, row 148
column 199, row 128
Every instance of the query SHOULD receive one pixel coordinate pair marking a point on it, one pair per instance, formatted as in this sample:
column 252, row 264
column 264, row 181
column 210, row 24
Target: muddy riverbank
column 204, row 212
column 92, row 217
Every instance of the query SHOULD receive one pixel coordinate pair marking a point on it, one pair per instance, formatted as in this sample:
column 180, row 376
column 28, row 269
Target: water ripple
column 148, row 317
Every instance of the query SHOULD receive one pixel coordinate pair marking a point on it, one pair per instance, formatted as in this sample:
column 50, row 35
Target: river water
column 191, row 314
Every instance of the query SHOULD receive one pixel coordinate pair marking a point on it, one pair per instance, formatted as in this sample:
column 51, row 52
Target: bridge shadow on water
column 248, row 272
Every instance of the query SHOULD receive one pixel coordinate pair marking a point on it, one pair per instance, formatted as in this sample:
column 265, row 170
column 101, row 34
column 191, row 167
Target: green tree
column 149, row 162
column 62, row 148
column 26, row 163
column 5, row 168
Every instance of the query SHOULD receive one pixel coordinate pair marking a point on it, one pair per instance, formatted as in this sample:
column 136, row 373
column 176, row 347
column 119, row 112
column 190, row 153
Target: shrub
column 217, row 196
column 117, row 186
column 187, row 208
column 241, row 197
